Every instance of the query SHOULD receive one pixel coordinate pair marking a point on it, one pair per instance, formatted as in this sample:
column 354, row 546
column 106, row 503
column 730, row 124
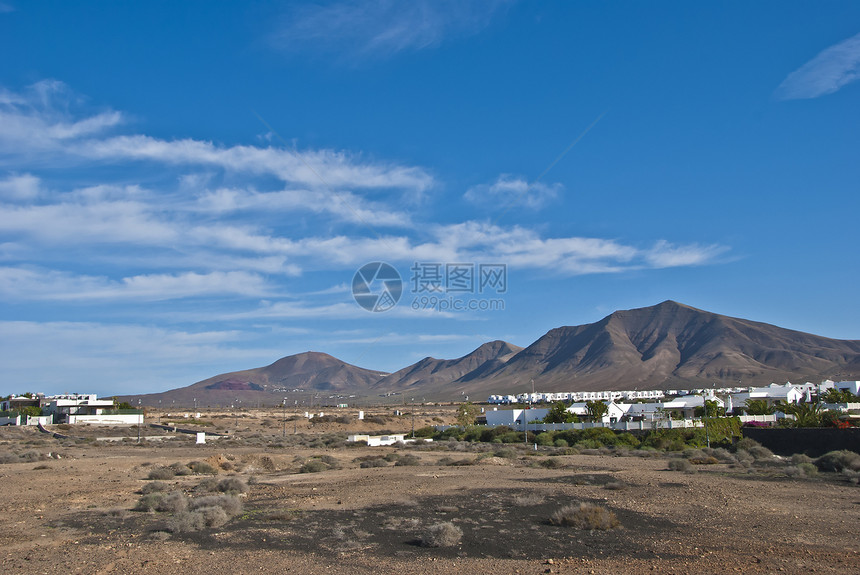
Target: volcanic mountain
column 432, row 376
column 666, row 346
column 301, row 375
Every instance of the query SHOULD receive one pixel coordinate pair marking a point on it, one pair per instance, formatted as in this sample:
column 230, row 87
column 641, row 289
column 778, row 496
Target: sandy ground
column 74, row 514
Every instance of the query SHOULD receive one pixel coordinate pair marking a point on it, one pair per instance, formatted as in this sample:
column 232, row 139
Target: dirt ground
column 74, row 514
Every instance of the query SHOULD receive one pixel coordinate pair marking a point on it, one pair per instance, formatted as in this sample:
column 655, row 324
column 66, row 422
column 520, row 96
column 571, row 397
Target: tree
column 758, row 407
column 834, row 395
column 30, row 410
column 558, row 413
column 805, row 414
column 713, row 409
column 596, row 409
column 466, row 413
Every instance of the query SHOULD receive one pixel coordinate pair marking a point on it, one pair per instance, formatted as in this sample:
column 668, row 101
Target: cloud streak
column 830, row 70
column 382, row 28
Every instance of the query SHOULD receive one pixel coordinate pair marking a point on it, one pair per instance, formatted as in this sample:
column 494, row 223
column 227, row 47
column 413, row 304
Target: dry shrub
column 585, row 516
column 202, row 468
column 681, row 465
column 444, row 534
column 706, row 460
column 161, row 473
column 838, row 461
column 148, row 502
column 313, row 466
column 408, row 459
column 179, row 469
column 231, row 504
column 173, row 502
column 528, row 500
column 374, row 462
column 186, row 521
column 232, row 485
column 207, row 485
column 153, row 487
column 213, row 516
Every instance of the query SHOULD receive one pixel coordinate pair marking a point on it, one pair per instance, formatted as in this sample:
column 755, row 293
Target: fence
column 617, row 426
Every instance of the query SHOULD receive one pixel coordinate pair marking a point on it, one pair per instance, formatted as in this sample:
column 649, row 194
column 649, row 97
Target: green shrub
column 585, row 516
column 444, row 534
column 375, row 462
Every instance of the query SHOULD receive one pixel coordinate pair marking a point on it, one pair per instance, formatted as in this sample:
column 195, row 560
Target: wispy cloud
column 510, row 191
column 383, row 28
column 829, row 71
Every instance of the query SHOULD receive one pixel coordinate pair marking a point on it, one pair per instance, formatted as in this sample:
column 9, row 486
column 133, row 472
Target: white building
column 772, row 394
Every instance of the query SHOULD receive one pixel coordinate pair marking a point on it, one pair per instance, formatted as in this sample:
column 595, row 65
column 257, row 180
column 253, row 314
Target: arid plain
column 359, row 509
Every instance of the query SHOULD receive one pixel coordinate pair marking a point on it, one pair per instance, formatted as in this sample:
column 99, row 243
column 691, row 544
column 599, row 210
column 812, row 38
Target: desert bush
column 760, row 453
column 186, row 522
column 528, row 500
column 838, row 461
column 180, row 469
column 408, row 459
column 207, row 485
column 313, row 466
column 7, row 457
column 585, row 516
column 374, row 462
column 154, row 487
column 506, row 453
column 213, row 516
column 809, row 469
column 444, row 534
column 552, row 463
column 721, row 454
column 161, row 473
column 681, row 465
column 706, row 460
column 231, row 504
column 31, row 456
column 173, row 502
column 745, row 443
column 202, row 468
column 560, row 443
column 149, row 501
column 232, row 485
column 799, row 458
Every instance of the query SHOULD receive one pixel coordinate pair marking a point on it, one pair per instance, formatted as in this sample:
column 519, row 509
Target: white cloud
column 19, row 187
column 829, row 71
column 509, row 191
column 666, row 255
column 384, row 27
column 35, row 284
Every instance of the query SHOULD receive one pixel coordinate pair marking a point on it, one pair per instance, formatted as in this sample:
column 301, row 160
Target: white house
column 512, row 417
column 685, row 404
column 852, row 386
column 613, row 414
column 772, row 394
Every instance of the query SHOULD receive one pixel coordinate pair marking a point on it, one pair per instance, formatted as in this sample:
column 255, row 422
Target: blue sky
column 188, row 189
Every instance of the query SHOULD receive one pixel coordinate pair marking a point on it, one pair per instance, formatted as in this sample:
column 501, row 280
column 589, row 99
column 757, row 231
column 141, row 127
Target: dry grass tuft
column 444, row 534
column 585, row 516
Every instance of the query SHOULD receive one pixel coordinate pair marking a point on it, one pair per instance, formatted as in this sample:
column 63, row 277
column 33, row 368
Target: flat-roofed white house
column 772, row 394
column 685, row 404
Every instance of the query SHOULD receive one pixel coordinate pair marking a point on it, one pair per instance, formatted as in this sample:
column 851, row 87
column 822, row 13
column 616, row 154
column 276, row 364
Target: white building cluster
column 67, row 408
column 654, row 405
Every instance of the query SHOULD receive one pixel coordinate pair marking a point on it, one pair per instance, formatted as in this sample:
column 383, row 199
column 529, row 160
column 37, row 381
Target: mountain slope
column 672, row 345
column 303, row 374
column 432, row 376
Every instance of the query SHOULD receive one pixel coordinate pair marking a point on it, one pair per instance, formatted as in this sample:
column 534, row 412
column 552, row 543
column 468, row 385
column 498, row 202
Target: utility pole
column 296, row 417
column 139, row 419
column 413, row 418
column 284, row 434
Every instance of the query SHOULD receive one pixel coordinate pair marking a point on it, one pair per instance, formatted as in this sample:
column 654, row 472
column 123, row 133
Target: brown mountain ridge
column 669, row 345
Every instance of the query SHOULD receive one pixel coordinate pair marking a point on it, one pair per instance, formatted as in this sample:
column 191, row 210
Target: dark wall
column 811, row 441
